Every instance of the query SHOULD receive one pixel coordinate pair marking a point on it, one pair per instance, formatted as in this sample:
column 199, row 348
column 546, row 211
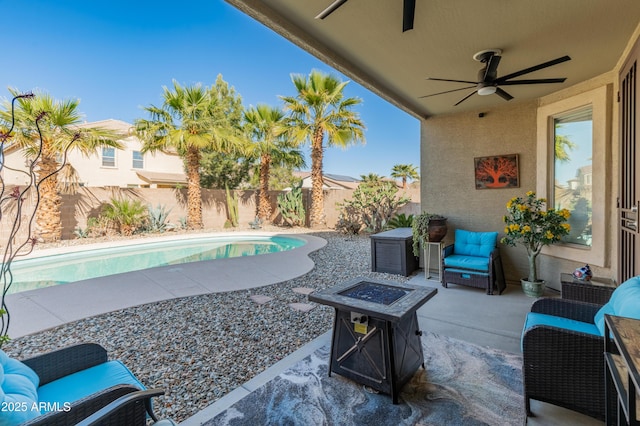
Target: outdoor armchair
column 473, row 260
column 64, row 387
column 563, row 350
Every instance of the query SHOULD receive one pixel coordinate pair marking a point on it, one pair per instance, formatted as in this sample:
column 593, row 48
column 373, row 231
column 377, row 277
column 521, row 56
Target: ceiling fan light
column 487, row 90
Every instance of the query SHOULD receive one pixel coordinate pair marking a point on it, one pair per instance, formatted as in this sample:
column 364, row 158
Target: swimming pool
column 39, row 272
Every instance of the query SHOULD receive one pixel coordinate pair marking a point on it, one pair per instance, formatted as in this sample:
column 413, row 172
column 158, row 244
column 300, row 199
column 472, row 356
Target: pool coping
column 38, row 310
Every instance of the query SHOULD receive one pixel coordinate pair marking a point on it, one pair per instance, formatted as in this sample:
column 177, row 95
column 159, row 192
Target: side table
column 427, row 258
column 596, row 291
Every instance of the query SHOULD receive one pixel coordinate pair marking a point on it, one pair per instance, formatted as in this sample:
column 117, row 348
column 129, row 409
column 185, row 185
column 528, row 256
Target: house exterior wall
column 449, row 145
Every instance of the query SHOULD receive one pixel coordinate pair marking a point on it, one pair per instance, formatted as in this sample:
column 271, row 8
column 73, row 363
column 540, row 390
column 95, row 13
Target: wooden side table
column 427, row 258
column 595, row 291
column 622, row 367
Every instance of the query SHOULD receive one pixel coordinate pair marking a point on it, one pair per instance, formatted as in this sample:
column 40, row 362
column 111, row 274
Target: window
column 573, row 145
column 572, row 189
column 108, row 157
column 138, row 160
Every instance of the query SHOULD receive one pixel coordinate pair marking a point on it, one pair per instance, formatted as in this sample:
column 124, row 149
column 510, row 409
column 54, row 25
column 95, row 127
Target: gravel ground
column 200, row 348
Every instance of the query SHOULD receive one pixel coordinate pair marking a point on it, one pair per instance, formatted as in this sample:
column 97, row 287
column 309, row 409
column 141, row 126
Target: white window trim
column 600, row 101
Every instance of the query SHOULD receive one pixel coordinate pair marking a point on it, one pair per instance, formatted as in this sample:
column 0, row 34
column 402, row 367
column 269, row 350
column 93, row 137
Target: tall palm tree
column 320, row 109
column 265, row 125
column 61, row 130
column 404, row 172
column 191, row 119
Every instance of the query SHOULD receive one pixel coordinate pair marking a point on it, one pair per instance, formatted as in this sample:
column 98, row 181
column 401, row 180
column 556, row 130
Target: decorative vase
column 437, row 229
column 533, row 288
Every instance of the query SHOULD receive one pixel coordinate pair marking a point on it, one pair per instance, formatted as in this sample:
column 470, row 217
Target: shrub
column 127, row 215
column 291, row 206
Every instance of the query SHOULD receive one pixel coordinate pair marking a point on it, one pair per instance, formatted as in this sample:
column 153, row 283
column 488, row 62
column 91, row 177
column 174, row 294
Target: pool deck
column 37, row 310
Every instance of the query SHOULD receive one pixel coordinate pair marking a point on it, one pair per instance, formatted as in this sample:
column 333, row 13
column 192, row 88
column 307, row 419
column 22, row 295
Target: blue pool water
column 29, row 274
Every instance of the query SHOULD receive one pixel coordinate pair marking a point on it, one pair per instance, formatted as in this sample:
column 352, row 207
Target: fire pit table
column 376, row 336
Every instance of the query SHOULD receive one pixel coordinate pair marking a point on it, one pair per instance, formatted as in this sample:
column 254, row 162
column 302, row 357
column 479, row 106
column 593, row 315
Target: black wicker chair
column 58, row 364
column 565, row 367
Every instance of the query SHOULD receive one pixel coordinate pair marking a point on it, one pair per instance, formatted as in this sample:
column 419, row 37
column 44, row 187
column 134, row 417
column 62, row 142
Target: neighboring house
column 329, row 181
column 126, row 168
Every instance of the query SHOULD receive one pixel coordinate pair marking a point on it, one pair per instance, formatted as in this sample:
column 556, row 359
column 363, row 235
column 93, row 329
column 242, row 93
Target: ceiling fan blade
column 491, row 70
column 332, row 8
column 532, row 69
column 455, row 81
column 537, row 81
column 448, row 91
column 504, row 95
column 465, row 98
column 408, row 13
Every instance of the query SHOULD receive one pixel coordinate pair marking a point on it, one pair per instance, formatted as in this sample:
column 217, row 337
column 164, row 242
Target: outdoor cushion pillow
column 535, row 318
column 62, row 392
column 470, row 243
column 467, row 262
column 18, row 391
column 627, row 293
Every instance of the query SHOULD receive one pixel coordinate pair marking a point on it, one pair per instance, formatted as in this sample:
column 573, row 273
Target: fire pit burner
column 376, row 293
column 376, row 335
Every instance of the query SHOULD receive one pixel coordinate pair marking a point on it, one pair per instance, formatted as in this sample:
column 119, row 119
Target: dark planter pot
column 437, row 229
column 533, row 289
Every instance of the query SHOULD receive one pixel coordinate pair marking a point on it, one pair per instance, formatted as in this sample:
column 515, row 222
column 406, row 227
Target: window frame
column 600, row 101
column 102, row 157
column 133, row 160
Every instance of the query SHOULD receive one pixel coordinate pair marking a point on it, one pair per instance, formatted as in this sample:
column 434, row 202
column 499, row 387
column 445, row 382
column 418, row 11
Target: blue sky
column 115, row 56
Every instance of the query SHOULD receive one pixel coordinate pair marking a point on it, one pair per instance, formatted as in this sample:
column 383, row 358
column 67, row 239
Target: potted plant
column 533, row 226
column 427, row 227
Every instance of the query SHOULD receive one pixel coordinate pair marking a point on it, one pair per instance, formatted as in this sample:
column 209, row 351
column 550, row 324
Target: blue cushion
column 18, row 391
column 467, row 262
column 479, row 244
column 624, row 302
column 535, row 318
column 86, row 382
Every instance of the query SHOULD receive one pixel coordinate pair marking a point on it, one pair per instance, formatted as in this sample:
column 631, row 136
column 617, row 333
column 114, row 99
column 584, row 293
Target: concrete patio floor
column 460, row 312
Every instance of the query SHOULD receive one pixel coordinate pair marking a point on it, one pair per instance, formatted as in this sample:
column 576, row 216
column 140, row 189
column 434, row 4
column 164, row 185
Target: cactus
column 232, row 208
column 291, row 206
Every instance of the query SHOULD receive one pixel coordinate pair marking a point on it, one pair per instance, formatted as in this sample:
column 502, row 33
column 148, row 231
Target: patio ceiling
column 364, row 40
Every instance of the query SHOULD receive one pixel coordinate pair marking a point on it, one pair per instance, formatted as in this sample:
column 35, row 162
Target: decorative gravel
column 200, row 348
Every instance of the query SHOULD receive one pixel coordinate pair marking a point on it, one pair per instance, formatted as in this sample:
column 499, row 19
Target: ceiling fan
column 408, row 12
column 488, row 81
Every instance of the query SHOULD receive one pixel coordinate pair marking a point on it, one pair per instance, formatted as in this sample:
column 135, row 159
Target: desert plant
column 374, row 204
column 157, row 218
column 232, row 209
column 533, row 226
column 400, row 221
column 127, row 215
column 80, row 232
column 291, row 206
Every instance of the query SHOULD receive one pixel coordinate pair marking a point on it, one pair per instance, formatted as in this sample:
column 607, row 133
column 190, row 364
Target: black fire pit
column 376, row 337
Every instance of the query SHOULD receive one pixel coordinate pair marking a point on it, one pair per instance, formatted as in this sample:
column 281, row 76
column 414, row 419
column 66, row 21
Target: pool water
column 30, row 274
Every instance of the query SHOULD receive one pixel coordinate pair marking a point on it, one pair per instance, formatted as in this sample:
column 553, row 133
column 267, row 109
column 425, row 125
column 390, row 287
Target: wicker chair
column 473, row 260
column 565, row 367
column 563, row 351
column 66, row 386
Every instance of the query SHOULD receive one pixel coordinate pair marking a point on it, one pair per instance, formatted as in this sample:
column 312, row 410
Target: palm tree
column 265, row 125
column 372, row 179
column 61, row 130
column 191, row 119
column 320, row 109
column 405, row 171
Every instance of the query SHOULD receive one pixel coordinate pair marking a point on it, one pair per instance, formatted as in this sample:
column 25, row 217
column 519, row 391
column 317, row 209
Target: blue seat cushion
column 18, row 391
column 624, row 302
column 535, row 319
column 86, row 382
column 467, row 262
column 480, row 244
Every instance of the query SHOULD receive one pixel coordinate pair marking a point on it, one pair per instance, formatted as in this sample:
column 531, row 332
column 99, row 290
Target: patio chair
column 473, row 260
column 563, row 350
column 66, row 386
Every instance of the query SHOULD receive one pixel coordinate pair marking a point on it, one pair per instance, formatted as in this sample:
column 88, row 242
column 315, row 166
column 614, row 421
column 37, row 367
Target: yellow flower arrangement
column 528, row 223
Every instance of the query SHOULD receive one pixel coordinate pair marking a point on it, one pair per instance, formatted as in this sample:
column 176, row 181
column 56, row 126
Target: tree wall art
column 498, row 171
